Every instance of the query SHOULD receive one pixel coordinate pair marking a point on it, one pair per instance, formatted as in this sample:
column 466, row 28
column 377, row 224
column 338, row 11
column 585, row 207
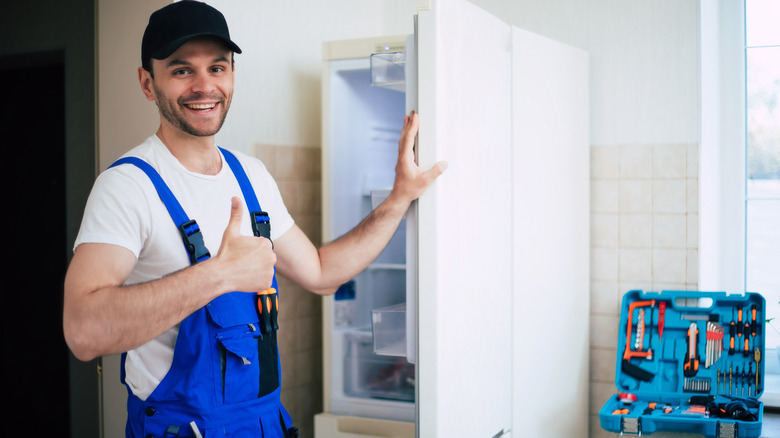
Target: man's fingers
column 435, row 171
column 411, row 124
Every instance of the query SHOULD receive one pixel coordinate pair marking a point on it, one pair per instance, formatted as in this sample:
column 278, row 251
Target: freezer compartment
column 368, row 375
column 388, row 70
column 388, row 325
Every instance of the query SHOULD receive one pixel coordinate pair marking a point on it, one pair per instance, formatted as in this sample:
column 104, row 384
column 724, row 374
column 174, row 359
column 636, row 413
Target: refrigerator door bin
column 388, row 70
column 367, row 375
column 389, row 328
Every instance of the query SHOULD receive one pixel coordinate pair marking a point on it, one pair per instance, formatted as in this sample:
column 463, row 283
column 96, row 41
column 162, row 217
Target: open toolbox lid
column 677, row 352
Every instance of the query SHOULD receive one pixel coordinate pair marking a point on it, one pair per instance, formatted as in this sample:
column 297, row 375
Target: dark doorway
column 36, row 356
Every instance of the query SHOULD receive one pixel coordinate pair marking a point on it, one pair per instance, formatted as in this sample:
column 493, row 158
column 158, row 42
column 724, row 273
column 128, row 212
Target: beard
column 173, row 114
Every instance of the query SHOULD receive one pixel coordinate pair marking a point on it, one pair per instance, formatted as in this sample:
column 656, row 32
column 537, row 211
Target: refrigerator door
column 551, row 263
column 464, row 362
column 503, row 234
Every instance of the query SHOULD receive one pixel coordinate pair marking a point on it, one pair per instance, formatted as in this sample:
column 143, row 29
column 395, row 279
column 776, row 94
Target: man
column 199, row 358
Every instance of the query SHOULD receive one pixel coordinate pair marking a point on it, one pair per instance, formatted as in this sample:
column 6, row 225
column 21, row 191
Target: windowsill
column 771, row 399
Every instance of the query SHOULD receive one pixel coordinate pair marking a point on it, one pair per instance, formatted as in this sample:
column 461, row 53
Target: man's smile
column 201, row 106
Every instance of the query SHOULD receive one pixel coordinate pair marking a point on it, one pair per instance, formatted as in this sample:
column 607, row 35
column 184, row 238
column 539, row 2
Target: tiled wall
column 297, row 171
column 644, row 235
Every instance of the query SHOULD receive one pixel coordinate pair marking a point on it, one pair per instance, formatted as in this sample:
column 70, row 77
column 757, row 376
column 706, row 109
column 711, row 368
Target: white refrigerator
column 474, row 320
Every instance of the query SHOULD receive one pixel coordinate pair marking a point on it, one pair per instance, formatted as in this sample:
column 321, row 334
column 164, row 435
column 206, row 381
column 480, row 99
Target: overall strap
column 261, row 223
column 267, row 300
column 189, row 229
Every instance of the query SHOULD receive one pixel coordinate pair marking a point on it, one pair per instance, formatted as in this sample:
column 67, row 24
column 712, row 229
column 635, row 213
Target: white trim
column 722, row 161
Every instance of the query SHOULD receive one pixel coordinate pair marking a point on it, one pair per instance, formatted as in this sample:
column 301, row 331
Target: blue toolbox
column 689, row 361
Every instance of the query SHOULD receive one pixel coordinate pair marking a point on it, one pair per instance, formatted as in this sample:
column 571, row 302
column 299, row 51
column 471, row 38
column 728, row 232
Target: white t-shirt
column 124, row 209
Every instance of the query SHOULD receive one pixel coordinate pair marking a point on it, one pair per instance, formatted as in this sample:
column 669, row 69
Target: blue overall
column 225, row 376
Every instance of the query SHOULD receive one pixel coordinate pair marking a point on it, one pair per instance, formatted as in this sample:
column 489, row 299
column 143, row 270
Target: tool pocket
column 248, row 359
column 239, row 365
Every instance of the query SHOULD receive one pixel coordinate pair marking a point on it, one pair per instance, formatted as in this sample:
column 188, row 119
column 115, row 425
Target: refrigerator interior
column 370, row 373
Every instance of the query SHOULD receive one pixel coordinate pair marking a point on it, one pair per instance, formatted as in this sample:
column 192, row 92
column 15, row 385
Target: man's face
column 194, row 86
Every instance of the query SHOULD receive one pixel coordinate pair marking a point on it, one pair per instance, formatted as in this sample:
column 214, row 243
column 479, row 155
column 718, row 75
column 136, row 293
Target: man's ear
column 145, row 79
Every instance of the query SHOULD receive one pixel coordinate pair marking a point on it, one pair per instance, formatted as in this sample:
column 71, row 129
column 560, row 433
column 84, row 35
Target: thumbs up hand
column 248, row 261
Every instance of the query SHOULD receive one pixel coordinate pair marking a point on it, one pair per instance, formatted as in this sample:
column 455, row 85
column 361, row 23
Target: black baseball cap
column 179, row 22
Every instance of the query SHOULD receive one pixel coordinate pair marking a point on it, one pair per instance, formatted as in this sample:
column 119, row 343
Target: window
column 762, row 168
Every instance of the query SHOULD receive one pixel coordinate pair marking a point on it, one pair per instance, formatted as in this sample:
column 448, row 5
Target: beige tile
column 287, row 336
column 669, row 230
column 600, row 394
column 636, row 230
column 289, row 300
column 636, row 196
column 669, row 266
column 307, row 161
column 310, row 404
column 267, row 154
column 604, row 162
column 604, row 230
column 669, row 196
column 285, row 163
column 636, row 161
column 289, row 399
column 603, row 331
column 692, row 163
column 604, row 196
column 310, row 333
column 311, row 225
column 604, row 297
column 309, row 196
column 636, row 285
column 692, row 231
column 635, row 265
column 692, row 196
column 308, row 304
column 692, row 266
column 604, row 264
column 669, row 161
column 596, row 431
column 602, row 365
column 289, row 363
column 309, row 366
column 288, row 190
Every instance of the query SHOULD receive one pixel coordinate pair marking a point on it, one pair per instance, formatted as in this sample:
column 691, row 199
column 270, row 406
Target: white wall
column 277, row 95
column 644, row 61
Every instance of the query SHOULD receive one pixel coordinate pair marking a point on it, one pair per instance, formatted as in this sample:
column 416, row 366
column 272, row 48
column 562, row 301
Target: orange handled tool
column 732, row 332
column 627, row 367
column 691, row 364
column 629, row 353
column 267, row 309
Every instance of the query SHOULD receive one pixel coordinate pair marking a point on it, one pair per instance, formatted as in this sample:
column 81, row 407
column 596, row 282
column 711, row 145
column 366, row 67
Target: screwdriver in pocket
column 732, row 333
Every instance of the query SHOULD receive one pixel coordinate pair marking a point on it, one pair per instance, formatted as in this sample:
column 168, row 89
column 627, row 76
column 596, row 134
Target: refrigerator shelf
column 389, row 329
column 388, row 70
column 367, row 375
column 389, row 266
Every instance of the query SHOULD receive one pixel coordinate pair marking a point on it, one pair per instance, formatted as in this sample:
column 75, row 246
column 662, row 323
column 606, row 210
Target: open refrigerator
column 432, row 339
column 373, row 358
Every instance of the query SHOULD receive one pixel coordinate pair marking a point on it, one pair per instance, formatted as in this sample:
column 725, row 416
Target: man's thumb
column 235, row 216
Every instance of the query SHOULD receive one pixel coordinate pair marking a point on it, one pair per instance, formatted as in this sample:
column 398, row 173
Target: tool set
column 689, row 362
